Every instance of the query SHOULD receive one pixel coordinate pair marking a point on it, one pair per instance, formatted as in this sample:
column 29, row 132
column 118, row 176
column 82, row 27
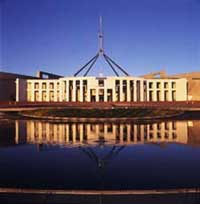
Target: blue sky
column 59, row 36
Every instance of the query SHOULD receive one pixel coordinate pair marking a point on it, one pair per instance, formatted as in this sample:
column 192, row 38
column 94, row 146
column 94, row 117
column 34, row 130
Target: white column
column 121, row 133
column 121, row 90
column 74, row 91
column 17, row 90
column 81, row 90
column 73, row 132
column 47, row 132
column 135, row 90
column 113, row 95
column 135, row 133
column 16, row 132
column 128, row 90
column 97, row 95
column 105, row 94
column 67, row 91
column 141, row 90
column 81, row 132
column 67, row 133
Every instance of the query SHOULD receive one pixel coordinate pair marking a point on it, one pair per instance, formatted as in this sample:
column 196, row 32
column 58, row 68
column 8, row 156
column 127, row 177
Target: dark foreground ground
column 185, row 198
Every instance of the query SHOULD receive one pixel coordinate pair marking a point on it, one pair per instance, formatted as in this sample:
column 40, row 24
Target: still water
column 157, row 155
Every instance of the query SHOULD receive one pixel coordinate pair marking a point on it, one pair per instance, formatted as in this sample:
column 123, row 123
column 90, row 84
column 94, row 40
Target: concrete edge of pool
column 100, row 192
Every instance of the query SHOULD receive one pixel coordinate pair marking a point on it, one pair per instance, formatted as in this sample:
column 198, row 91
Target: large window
column 51, row 96
column 101, row 82
column 165, row 85
column 158, row 85
column 36, row 85
column 173, row 95
column 173, row 85
column 150, row 95
column 44, row 85
column 51, row 85
column 44, row 96
column 150, row 85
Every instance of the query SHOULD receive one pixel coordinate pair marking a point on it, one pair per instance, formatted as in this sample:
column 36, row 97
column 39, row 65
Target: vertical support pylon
column 113, row 65
column 101, row 51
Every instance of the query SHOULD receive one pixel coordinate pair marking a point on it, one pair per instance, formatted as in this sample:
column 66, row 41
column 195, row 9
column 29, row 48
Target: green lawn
column 98, row 113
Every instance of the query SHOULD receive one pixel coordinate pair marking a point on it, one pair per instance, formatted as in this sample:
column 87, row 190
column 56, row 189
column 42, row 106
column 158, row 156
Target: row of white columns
column 65, row 93
column 61, row 92
column 45, row 132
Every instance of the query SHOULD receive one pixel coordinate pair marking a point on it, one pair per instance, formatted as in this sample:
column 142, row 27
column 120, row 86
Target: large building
column 101, row 89
column 126, row 88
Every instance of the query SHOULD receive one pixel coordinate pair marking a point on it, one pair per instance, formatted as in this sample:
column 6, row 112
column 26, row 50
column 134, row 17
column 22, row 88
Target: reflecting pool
column 100, row 155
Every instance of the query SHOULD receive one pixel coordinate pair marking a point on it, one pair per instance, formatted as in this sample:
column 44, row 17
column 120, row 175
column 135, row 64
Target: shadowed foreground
column 187, row 198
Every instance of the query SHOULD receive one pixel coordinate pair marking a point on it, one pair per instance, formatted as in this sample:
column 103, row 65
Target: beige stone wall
column 194, row 89
column 75, row 89
column 193, row 84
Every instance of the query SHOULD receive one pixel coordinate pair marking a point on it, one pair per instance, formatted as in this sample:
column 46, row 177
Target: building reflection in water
column 36, row 132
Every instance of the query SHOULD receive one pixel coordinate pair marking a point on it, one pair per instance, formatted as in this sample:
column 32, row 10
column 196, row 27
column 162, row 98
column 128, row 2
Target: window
column 101, row 82
column 150, row 95
column 159, row 126
column 124, row 83
column 166, row 96
column 36, row 85
column 166, row 135
column 166, row 126
column 174, row 125
column 151, row 135
column 117, row 82
column 165, row 85
column 51, row 96
column 151, row 126
column 110, row 128
column 173, row 95
column 158, row 95
column 150, row 85
column 44, row 96
column 51, row 85
column 158, row 85
column 36, row 96
column 101, row 95
column 174, row 135
column 158, row 135
column 173, row 85
column 44, row 85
